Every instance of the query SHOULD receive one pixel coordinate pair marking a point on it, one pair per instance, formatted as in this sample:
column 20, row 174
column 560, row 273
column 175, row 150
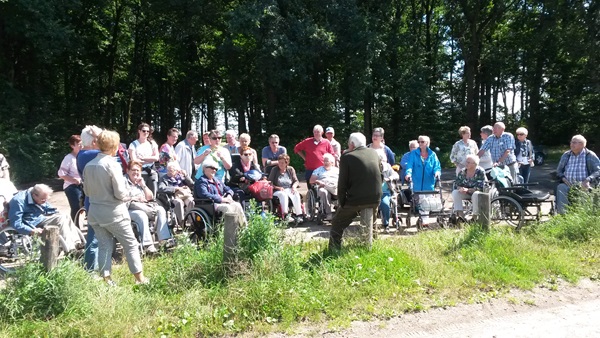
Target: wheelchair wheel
column 311, row 206
column 81, row 218
column 507, row 209
column 198, row 224
column 17, row 250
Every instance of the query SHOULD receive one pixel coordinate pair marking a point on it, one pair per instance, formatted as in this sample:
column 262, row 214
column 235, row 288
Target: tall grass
column 276, row 286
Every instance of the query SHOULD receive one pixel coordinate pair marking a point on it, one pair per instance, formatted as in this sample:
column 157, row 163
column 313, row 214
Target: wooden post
column 484, row 210
column 230, row 237
column 51, row 247
column 366, row 227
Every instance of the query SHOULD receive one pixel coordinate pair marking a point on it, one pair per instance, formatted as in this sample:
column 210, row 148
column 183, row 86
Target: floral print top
column 476, row 182
column 460, row 150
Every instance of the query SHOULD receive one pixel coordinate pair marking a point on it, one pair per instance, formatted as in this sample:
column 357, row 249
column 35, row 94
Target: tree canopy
column 265, row 66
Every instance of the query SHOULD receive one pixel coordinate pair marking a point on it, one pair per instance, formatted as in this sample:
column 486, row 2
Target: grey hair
column 475, row 158
column 426, row 139
column 579, row 138
column 41, row 188
column 329, row 156
column 173, row 164
column 500, row 125
column 522, row 130
column 319, row 127
column 191, row 133
column 231, row 132
column 488, row 130
column 357, row 139
column 413, row 142
column 89, row 135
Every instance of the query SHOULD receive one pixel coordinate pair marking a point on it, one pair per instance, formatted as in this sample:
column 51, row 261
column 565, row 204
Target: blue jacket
column 423, row 174
column 25, row 214
column 205, row 189
column 389, row 154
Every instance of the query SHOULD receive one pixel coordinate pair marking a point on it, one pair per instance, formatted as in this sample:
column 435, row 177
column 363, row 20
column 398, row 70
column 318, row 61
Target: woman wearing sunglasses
column 145, row 150
column 423, row 166
column 246, row 163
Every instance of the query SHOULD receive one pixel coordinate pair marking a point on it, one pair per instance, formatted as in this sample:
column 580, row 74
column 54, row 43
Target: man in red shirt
column 312, row 150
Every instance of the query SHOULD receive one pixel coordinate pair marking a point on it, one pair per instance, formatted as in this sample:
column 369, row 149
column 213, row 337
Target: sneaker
column 168, row 243
column 146, row 281
column 299, row 219
column 288, row 218
column 151, row 249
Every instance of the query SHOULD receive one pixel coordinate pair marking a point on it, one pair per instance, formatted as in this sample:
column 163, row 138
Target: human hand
column 227, row 199
column 207, row 152
column 36, row 232
column 585, row 184
column 407, row 178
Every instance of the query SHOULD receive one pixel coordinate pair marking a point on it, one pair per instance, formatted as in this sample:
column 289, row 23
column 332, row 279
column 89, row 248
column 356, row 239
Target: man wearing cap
column 337, row 147
column 312, row 150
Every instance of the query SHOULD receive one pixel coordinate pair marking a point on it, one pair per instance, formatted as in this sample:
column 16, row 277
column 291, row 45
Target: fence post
column 484, row 210
column 230, row 237
column 366, row 226
column 51, row 247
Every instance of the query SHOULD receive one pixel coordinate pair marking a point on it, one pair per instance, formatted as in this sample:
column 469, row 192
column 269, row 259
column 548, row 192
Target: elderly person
column 578, row 165
column 107, row 192
column 462, row 148
column 4, row 166
column 177, row 184
column 285, row 187
column 232, row 144
column 89, row 136
column 145, row 150
column 423, row 166
column 389, row 175
column 30, row 212
column 312, row 150
column 143, row 209
column 68, row 173
column 502, row 148
column 186, row 152
column 167, row 152
column 271, row 153
column 524, row 153
column 245, row 143
column 325, row 178
column 379, row 145
column 217, row 153
column 412, row 145
column 469, row 183
column 238, row 180
column 485, row 160
column 208, row 186
column 359, row 186
column 206, row 138
column 337, row 147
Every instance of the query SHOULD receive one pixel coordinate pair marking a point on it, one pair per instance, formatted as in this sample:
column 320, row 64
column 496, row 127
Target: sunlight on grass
column 275, row 286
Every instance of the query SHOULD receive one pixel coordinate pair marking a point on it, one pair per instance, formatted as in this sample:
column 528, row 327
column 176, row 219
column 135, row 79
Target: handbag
column 261, row 190
column 149, row 208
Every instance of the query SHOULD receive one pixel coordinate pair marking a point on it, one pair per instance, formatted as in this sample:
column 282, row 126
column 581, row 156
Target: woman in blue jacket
column 423, row 166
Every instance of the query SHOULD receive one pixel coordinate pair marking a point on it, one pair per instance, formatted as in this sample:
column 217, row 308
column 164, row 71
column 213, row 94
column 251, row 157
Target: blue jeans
column 525, row 171
column 307, row 175
column 90, row 258
column 562, row 198
column 74, row 194
column 384, row 206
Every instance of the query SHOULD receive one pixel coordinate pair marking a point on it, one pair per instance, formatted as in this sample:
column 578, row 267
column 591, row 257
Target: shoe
column 111, row 283
column 168, row 243
column 299, row 219
column 150, row 249
column 288, row 218
column 79, row 246
column 385, row 230
column 329, row 217
column 146, row 281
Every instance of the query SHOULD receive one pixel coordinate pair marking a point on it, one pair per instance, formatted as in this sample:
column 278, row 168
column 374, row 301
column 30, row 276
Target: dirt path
column 571, row 311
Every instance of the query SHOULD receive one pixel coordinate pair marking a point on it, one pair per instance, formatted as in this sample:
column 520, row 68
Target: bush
column 37, row 294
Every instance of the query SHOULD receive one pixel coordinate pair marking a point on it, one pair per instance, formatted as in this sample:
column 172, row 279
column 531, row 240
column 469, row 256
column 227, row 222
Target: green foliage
column 34, row 294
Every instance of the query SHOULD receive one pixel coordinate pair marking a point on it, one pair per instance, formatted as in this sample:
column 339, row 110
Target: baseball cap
column 329, row 130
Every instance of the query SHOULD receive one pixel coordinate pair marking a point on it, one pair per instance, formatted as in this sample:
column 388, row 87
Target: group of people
column 120, row 184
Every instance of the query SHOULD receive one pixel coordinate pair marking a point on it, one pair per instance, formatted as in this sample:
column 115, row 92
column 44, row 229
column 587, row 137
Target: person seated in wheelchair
column 579, row 165
column 177, row 185
column 209, row 187
column 143, row 209
column 325, row 178
column 468, row 184
column 388, row 188
column 29, row 212
column 238, row 181
column 7, row 191
column 285, row 184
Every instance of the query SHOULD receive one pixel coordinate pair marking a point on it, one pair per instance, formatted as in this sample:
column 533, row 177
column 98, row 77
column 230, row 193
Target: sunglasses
column 247, row 154
column 215, row 138
column 213, row 168
column 145, row 131
column 520, row 134
column 422, row 142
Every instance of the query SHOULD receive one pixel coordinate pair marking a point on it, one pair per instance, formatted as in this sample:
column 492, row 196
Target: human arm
column 343, row 181
column 593, row 167
column 203, row 191
column 299, row 149
column 67, row 166
column 15, row 216
column 201, row 154
column 223, row 155
column 390, row 156
column 409, row 167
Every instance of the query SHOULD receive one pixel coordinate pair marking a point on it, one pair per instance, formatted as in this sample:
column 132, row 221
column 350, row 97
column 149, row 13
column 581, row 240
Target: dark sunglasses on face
column 214, row 138
column 145, row 131
column 247, row 154
column 213, row 168
column 422, row 142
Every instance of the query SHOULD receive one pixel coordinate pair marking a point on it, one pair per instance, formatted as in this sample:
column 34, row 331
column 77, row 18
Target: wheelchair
column 396, row 198
column 314, row 210
column 201, row 222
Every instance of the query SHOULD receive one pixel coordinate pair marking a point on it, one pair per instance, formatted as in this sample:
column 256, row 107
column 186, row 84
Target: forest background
column 265, row 66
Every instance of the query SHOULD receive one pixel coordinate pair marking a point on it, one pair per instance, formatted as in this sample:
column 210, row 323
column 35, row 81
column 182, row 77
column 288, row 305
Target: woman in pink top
column 68, row 172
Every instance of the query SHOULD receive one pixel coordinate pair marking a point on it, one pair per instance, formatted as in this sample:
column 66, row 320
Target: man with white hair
column 186, row 153
column 359, row 186
column 326, row 178
column 502, row 148
column 30, row 212
column 578, row 165
column 312, row 150
column 232, row 144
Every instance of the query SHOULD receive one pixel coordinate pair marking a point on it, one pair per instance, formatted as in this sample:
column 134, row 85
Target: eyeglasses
column 575, row 142
column 145, row 131
column 422, row 142
column 214, row 138
column 376, row 135
column 520, row 134
column 213, row 168
column 247, row 154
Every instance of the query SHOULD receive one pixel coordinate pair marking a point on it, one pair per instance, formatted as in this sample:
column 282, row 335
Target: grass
column 275, row 286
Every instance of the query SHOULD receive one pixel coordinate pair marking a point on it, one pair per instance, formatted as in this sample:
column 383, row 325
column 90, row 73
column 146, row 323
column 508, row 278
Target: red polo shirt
column 314, row 151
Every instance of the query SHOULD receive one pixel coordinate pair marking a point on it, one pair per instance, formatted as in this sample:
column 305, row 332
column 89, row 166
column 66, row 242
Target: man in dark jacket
column 359, row 186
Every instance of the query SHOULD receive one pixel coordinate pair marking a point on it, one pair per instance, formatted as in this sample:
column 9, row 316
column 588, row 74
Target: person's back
column 360, row 177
